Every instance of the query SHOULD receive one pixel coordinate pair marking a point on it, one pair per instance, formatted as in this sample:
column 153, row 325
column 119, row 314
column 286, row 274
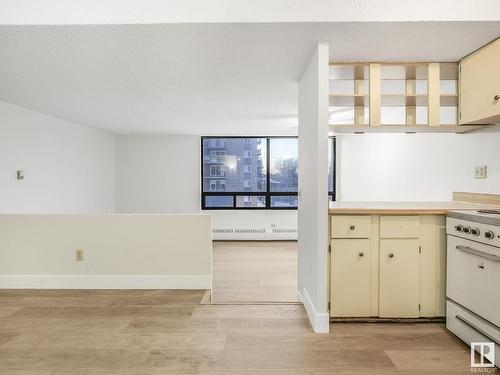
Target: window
column 217, row 170
column 332, row 154
column 217, row 156
column 217, row 142
column 258, row 172
column 249, row 201
column 217, row 185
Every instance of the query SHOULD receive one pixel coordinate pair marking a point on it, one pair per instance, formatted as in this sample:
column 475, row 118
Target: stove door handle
column 480, row 253
column 481, row 331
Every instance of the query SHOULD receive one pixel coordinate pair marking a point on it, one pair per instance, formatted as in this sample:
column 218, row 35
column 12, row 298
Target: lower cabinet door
column 399, row 278
column 350, row 278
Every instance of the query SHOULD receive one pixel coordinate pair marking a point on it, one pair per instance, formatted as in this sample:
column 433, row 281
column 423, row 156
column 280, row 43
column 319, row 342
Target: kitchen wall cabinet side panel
column 375, row 94
column 433, row 94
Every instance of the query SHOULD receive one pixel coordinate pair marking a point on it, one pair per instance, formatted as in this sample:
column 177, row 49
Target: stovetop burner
column 491, row 212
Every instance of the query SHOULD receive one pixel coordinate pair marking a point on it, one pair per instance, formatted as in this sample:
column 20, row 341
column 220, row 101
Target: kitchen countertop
column 404, row 208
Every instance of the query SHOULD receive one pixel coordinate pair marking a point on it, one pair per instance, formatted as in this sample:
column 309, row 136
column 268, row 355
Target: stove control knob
column 459, row 228
column 489, row 234
column 467, row 230
column 475, row 232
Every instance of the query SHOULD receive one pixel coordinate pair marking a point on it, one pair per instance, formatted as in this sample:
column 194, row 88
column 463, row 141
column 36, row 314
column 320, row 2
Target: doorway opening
column 250, row 187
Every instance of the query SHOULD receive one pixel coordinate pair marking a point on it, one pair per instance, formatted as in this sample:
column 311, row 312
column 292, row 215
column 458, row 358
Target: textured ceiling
column 74, row 12
column 200, row 78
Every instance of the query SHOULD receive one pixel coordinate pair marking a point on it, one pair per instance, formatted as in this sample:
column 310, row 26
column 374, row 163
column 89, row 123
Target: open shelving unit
column 404, row 94
column 394, row 97
column 349, row 94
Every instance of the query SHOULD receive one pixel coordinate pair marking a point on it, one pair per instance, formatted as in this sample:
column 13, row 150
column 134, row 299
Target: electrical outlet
column 79, row 255
column 480, row 171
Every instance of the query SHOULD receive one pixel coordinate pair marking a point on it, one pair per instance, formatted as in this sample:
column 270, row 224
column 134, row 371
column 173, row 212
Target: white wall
column 68, row 168
column 123, row 251
column 161, row 174
column 158, row 174
column 313, row 189
column 415, row 167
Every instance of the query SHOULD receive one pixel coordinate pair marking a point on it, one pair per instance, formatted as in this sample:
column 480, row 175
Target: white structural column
column 313, row 189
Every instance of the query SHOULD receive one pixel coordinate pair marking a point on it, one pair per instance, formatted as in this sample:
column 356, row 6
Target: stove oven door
column 473, row 277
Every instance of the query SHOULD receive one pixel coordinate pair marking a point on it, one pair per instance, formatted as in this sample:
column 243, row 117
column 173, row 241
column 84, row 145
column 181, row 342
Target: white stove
column 473, row 276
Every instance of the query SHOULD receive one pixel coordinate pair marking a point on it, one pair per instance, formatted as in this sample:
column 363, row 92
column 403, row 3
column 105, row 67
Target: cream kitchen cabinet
column 399, row 278
column 387, row 266
column 353, row 265
column 479, row 88
column 351, row 277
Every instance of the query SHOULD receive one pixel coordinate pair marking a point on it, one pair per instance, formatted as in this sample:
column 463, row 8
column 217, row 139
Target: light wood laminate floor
column 168, row 332
column 257, row 271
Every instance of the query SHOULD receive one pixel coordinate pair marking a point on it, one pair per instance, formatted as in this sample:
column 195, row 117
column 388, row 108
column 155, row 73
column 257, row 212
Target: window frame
column 267, row 194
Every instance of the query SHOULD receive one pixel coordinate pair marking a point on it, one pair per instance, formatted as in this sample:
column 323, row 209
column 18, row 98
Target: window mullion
column 268, row 172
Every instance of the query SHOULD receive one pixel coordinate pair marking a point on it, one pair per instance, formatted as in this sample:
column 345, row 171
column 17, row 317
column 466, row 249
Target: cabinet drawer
column 399, row 226
column 350, row 226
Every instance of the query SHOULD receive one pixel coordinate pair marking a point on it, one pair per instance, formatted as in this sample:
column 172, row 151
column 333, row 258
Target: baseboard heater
column 255, row 234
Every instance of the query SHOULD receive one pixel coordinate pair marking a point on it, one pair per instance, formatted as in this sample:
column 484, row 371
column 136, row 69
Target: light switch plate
column 480, row 171
column 79, row 255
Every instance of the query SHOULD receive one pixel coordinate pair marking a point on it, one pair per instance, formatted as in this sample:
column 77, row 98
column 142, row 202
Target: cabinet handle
column 391, row 255
column 352, row 227
column 496, row 97
column 361, row 254
column 481, row 266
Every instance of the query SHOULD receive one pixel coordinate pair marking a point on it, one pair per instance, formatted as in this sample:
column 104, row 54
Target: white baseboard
column 105, row 281
column 320, row 322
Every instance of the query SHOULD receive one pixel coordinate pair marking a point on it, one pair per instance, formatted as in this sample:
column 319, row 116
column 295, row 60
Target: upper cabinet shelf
column 411, row 97
column 480, row 86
